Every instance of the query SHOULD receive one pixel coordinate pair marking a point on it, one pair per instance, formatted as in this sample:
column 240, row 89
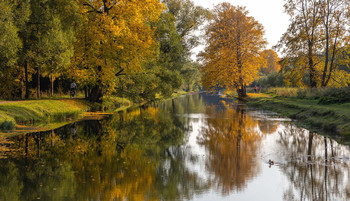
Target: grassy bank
column 333, row 118
column 52, row 113
column 31, row 111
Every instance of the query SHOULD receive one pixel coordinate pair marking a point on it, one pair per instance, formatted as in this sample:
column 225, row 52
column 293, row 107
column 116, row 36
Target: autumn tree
column 116, row 38
column 270, row 62
column 335, row 18
column 314, row 40
column 234, row 41
column 302, row 39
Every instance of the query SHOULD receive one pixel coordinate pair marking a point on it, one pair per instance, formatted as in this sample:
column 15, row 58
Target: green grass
column 334, row 118
column 32, row 111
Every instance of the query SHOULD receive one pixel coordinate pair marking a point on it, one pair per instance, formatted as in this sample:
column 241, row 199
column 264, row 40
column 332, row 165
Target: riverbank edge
column 334, row 119
column 33, row 111
column 16, row 113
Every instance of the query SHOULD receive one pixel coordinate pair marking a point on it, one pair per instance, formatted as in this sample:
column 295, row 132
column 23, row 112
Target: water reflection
column 113, row 159
column 193, row 148
column 231, row 141
column 316, row 167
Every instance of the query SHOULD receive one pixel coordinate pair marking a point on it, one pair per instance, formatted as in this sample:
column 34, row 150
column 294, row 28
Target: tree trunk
column 38, row 86
column 312, row 71
column 242, row 92
column 52, row 81
column 26, row 79
column 173, row 104
column 325, row 69
column 96, row 95
column 86, row 92
column 309, row 147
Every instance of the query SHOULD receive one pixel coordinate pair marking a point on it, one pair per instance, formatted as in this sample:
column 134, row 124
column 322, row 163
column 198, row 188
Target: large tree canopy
column 234, row 41
column 116, row 36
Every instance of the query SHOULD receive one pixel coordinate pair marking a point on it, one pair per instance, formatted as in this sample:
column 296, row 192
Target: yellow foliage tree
column 231, row 57
column 270, row 62
column 116, row 37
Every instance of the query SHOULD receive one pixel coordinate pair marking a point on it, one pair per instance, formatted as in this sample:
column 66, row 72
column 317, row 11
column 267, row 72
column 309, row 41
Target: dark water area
column 197, row 147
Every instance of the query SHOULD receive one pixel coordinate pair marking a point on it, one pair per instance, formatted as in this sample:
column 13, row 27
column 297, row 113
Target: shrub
column 273, row 79
column 7, row 125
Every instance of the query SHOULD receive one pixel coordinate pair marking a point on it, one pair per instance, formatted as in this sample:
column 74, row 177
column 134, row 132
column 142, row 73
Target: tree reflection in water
column 231, row 140
column 316, row 167
column 113, row 159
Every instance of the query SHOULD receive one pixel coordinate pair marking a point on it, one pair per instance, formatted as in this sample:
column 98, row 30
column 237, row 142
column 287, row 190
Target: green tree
column 191, row 76
column 171, row 66
column 187, row 18
column 10, row 44
column 50, row 36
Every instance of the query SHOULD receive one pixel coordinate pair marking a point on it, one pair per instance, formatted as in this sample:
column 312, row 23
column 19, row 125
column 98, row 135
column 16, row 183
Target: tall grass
column 324, row 95
column 309, row 93
column 283, row 91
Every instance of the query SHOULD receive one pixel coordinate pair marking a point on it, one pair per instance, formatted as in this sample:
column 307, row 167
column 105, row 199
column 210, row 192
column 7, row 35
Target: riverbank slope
column 31, row 111
column 333, row 118
column 28, row 112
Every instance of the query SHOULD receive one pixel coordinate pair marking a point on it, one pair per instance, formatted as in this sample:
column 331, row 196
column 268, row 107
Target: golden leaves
column 234, row 42
column 115, row 35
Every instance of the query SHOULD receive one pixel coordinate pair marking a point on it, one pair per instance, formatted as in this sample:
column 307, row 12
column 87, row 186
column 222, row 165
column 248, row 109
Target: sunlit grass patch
column 255, row 95
column 20, row 112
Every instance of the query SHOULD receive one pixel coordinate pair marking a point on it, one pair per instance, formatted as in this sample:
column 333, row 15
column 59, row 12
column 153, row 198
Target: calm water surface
column 197, row 147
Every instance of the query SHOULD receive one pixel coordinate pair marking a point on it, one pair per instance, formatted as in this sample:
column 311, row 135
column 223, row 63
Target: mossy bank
column 333, row 118
column 32, row 111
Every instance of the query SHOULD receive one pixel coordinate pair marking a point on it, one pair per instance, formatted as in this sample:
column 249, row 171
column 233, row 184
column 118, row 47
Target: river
column 196, row 147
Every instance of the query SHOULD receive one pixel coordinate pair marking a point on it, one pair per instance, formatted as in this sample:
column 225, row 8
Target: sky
column 270, row 13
